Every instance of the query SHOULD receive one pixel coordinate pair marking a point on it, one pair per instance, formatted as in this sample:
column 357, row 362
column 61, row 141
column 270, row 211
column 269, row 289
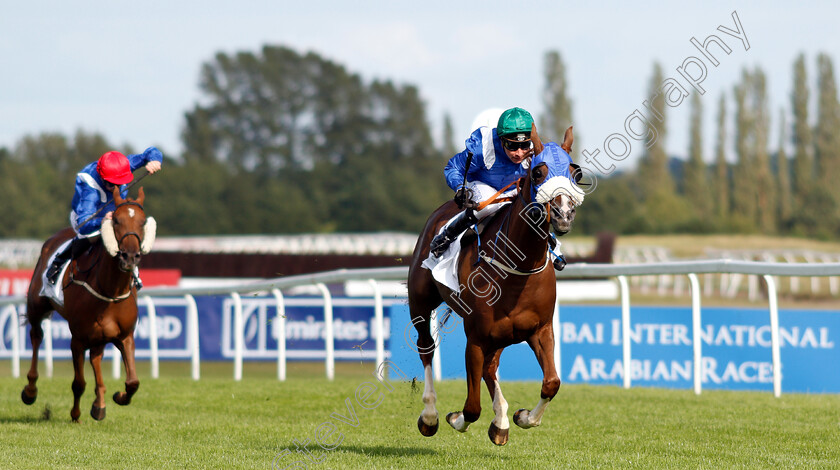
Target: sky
column 129, row 70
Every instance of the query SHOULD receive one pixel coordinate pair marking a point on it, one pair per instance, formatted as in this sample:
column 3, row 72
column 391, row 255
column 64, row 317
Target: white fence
column 275, row 286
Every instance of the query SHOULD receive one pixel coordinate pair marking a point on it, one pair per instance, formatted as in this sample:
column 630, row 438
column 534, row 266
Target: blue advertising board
column 736, row 348
column 353, row 322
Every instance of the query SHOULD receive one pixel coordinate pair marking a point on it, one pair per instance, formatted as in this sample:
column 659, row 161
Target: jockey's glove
column 460, row 197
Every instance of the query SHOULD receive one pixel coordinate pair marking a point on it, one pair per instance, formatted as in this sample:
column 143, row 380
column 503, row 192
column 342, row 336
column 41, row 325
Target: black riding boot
column 73, row 250
column 462, row 222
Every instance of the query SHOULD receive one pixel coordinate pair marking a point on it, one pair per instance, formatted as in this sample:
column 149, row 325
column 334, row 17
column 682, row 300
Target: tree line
column 758, row 188
column 284, row 142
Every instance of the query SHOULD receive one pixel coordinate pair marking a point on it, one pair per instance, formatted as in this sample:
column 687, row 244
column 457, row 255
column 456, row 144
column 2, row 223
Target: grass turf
column 174, row 422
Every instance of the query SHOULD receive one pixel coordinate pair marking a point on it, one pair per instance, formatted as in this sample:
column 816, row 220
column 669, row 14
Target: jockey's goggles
column 514, row 145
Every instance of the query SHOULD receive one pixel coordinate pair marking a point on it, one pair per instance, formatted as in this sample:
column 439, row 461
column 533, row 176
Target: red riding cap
column 113, row 167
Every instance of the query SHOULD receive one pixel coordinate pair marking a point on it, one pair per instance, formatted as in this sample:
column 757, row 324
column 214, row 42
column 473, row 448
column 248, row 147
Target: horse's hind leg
column 500, row 426
column 126, row 348
column 35, row 314
column 97, row 410
column 78, row 386
column 542, row 342
column 421, row 302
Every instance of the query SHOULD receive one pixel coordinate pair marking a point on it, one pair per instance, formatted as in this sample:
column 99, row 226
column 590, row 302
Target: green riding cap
column 515, row 121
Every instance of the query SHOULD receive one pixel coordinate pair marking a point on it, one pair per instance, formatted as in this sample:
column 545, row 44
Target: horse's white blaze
column 500, row 407
column 130, row 212
column 430, row 414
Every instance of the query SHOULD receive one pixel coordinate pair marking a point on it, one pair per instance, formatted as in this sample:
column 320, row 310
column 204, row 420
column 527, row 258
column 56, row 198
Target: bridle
column 125, row 235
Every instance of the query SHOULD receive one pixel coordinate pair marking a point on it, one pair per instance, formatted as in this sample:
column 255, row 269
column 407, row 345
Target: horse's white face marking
column 130, row 212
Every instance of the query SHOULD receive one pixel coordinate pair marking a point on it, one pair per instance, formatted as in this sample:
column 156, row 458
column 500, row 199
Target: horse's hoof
column 425, row 429
column 519, row 420
column 498, row 435
column 26, row 398
column 118, row 398
column 97, row 413
column 452, row 418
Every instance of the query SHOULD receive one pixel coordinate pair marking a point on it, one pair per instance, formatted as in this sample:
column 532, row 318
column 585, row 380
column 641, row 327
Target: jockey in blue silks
column 94, row 194
column 497, row 160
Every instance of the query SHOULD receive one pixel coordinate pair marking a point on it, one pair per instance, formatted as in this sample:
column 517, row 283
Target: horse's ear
column 140, row 196
column 117, row 197
column 535, row 138
column 568, row 138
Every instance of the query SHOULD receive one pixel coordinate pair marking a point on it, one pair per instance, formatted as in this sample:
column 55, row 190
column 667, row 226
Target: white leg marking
column 459, row 424
column 500, row 407
column 529, row 419
column 430, row 414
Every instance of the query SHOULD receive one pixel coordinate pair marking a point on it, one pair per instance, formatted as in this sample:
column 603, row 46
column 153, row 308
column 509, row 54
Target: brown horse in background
column 100, row 301
column 499, row 306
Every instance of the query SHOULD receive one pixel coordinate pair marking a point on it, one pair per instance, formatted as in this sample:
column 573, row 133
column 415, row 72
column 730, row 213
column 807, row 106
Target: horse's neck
column 106, row 274
column 527, row 239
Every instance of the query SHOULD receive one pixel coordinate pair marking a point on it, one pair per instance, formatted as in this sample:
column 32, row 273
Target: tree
column 765, row 183
column 663, row 209
column 803, row 163
column 721, row 180
column 695, row 185
column 558, row 107
column 359, row 154
column 744, row 211
column 448, row 147
column 783, row 171
column 827, row 137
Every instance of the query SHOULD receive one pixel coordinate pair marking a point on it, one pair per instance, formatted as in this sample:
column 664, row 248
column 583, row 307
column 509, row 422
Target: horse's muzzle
column 561, row 221
column 128, row 260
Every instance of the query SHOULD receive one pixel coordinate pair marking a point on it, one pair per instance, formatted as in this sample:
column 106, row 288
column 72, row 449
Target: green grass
column 174, row 422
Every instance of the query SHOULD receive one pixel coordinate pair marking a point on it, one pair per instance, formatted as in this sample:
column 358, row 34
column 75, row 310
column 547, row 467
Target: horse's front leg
column 542, row 343
column 126, row 347
column 461, row 420
column 30, row 391
column 500, row 426
column 78, row 386
column 97, row 410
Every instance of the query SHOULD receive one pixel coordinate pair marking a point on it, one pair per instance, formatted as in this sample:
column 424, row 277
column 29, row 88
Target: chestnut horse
column 100, row 301
column 507, row 296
